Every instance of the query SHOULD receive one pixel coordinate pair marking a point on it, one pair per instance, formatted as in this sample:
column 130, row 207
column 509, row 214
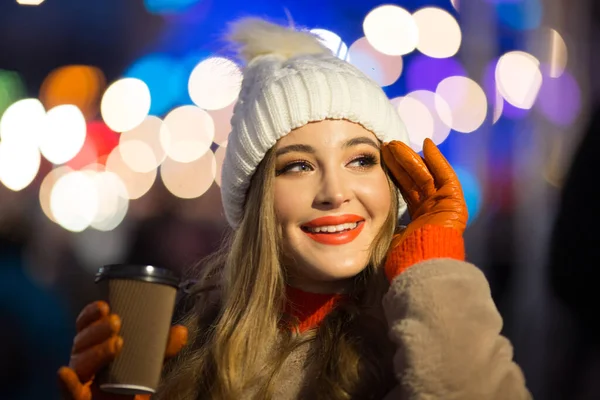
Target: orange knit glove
column 435, row 203
column 96, row 344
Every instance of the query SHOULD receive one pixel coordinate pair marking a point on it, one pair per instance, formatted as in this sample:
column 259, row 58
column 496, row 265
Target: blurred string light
column 391, row 30
column 425, row 73
column 113, row 201
column 455, row 4
column 141, row 147
column 125, row 104
column 189, row 180
column 441, row 114
column 518, row 78
column 165, row 77
column 417, row 119
column 467, row 103
column 64, row 134
column 169, row 6
column 79, row 85
column 215, row 83
column 333, row 42
column 187, row 133
column 519, row 14
column 439, row 33
column 12, row 88
column 382, row 68
column 136, row 183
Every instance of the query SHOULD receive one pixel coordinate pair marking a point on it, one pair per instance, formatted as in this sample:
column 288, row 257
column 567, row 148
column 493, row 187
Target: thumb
column 70, row 386
column 178, row 337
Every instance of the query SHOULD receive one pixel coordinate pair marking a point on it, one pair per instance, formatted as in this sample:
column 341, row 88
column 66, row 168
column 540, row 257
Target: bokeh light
column 136, row 183
column 113, row 201
column 187, row 133
column 219, row 158
column 333, row 42
column 471, row 191
column 12, row 88
column 215, row 83
column 169, row 6
column 24, row 122
column 222, row 121
column 518, row 78
column 100, row 140
column 437, row 107
column 165, row 77
column 141, row 147
column 417, row 119
column 74, row 201
column 455, row 4
column 467, row 102
column 425, row 73
column 383, row 69
column 125, row 104
column 30, row 2
column 19, row 164
column 189, row 180
column 560, row 99
column 550, row 48
column 64, row 135
column 520, row 14
column 79, row 85
column 439, row 33
column 46, row 189
column 391, row 30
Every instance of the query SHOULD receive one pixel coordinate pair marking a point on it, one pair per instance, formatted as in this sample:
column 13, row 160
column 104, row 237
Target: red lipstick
column 335, row 238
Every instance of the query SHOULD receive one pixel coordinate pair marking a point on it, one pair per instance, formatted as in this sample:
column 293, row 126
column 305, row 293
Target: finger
column 90, row 361
column 97, row 333
column 91, row 313
column 407, row 186
column 178, row 337
column 439, row 166
column 70, row 386
column 414, row 166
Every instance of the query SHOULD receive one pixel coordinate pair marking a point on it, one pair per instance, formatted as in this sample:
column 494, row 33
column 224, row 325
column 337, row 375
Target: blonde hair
column 238, row 315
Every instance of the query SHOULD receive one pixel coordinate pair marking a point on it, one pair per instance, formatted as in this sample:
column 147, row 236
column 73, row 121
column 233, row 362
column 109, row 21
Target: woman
column 318, row 294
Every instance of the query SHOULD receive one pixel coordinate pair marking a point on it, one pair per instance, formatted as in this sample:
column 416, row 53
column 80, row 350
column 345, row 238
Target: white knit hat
column 291, row 79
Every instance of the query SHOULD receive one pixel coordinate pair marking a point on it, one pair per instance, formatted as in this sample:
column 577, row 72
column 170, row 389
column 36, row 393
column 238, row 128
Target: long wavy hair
column 238, row 310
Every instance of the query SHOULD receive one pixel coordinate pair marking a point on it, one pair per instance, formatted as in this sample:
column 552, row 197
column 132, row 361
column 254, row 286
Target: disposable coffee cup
column 144, row 297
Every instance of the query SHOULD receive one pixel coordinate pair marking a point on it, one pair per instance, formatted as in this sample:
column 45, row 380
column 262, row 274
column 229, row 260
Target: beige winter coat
column 447, row 331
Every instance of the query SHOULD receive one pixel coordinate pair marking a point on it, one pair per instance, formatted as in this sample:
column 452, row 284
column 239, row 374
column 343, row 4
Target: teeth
column 334, row 228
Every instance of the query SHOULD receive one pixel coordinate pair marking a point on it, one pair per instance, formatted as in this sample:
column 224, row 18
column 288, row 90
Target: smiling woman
column 318, row 293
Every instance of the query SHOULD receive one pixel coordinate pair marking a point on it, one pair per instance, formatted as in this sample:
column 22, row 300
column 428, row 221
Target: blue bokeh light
column 522, row 15
column 471, row 190
column 169, row 6
column 166, row 78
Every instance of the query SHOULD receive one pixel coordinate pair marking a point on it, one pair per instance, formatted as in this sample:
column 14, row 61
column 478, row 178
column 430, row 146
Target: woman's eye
column 364, row 162
column 295, row 167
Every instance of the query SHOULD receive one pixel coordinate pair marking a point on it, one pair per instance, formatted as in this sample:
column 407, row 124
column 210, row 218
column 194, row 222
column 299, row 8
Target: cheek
column 375, row 196
column 290, row 199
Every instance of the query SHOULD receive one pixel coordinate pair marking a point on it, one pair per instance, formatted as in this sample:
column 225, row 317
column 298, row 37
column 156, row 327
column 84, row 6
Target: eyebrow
column 304, row 148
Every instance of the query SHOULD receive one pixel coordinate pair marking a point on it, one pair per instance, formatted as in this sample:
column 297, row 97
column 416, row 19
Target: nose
column 333, row 192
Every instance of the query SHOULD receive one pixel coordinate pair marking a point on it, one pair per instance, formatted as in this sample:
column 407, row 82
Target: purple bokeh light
column 425, row 73
column 559, row 99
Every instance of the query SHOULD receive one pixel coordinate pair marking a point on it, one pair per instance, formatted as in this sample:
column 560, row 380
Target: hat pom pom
column 256, row 37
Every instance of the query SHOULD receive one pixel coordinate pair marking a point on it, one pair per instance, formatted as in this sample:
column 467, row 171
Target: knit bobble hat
column 291, row 79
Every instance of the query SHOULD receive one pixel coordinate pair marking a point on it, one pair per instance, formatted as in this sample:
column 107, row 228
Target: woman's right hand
column 96, row 344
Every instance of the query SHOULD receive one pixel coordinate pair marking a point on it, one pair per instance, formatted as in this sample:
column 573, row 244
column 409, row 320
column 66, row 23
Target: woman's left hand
column 435, row 203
